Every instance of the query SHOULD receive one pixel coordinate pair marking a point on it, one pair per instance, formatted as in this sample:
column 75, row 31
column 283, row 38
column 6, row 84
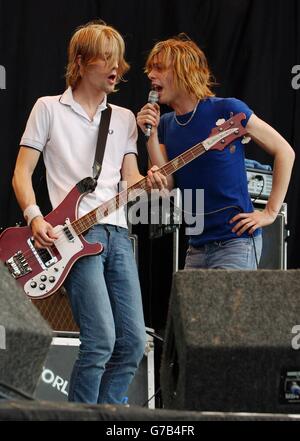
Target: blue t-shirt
column 221, row 174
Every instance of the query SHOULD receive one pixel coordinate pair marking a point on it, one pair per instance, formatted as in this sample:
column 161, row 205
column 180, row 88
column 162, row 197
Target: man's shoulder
column 117, row 108
column 230, row 104
column 49, row 101
column 218, row 100
column 121, row 111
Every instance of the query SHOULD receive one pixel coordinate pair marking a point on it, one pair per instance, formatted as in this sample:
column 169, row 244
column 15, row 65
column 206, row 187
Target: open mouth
column 112, row 77
column 157, row 87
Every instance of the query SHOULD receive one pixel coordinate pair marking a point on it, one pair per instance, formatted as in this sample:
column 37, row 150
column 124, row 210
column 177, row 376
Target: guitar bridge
column 18, row 265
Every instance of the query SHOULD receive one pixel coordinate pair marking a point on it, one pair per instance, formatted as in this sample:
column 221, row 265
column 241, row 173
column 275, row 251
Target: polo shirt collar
column 67, row 98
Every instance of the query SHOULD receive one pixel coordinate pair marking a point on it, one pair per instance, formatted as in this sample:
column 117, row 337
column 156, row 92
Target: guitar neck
column 93, row 217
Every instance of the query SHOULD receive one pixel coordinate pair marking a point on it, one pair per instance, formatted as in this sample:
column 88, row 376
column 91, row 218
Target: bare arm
column 130, row 173
column 150, row 114
column 22, row 184
column 22, row 179
column 274, row 144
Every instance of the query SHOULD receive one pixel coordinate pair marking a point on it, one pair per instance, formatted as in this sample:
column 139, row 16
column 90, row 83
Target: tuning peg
column 246, row 139
column 220, row 122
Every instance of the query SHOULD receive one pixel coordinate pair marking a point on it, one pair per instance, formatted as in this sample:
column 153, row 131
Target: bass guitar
column 41, row 272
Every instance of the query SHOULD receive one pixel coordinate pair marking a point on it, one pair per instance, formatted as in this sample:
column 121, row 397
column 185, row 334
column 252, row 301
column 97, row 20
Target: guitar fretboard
column 122, row 198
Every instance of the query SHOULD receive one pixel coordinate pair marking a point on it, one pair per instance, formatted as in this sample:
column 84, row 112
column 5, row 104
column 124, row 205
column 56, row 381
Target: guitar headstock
column 235, row 130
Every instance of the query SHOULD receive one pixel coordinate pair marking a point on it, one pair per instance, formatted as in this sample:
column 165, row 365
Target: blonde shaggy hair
column 189, row 63
column 92, row 41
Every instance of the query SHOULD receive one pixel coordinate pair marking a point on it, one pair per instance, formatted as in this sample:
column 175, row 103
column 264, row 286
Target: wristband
column 31, row 212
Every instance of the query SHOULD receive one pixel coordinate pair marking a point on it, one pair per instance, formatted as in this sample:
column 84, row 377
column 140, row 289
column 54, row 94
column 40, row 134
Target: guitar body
column 42, row 272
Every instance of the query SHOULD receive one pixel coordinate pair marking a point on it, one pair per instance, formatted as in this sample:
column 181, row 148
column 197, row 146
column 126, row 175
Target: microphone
column 152, row 99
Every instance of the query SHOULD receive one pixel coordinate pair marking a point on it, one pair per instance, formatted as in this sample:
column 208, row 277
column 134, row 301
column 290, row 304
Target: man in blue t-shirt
column 231, row 237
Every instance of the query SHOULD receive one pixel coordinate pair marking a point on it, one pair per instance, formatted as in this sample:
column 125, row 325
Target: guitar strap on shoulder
column 101, row 141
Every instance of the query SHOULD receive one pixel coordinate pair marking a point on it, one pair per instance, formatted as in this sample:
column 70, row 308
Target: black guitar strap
column 101, row 141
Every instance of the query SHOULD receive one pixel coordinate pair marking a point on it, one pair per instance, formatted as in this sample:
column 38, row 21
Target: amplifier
column 274, row 251
column 56, row 309
column 259, row 182
column 54, row 381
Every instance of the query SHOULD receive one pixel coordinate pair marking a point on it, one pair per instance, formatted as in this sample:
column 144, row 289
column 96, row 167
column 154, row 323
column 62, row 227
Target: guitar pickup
column 68, row 233
column 43, row 255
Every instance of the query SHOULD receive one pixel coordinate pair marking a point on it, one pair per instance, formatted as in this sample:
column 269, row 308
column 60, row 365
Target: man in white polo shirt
column 104, row 290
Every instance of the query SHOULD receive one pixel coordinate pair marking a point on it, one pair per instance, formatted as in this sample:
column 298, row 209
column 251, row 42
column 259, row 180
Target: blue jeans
column 236, row 253
column 105, row 296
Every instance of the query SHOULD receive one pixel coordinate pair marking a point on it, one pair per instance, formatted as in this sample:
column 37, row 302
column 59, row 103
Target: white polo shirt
column 60, row 128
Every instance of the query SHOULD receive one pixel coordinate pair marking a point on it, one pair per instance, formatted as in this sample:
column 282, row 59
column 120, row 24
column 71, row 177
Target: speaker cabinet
column 54, row 381
column 230, row 342
column 24, row 337
column 274, row 251
column 56, row 310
